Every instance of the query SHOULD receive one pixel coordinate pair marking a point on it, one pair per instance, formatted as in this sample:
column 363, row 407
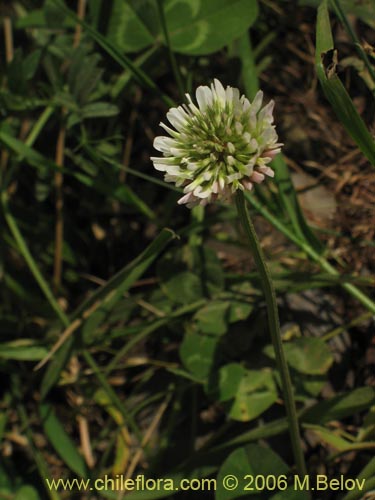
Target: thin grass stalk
column 8, row 39
column 81, row 11
column 9, row 53
column 172, row 58
column 25, row 252
column 274, row 327
column 59, row 204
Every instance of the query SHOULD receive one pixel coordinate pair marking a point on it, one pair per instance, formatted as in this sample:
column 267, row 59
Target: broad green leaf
column 200, row 27
column 126, row 29
column 195, row 27
column 244, row 463
column 61, row 441
column 308, row 355
column 212, row 318
column 255, row 392
column 197, row 353
column 230, row 377
column 183, row 288
column 341, row 406
column 326, row 60
column 239, row 311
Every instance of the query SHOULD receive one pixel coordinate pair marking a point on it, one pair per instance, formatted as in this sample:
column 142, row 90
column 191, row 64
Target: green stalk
column 172, row 58
column 274, row 326
column 23, row 248
column 39, row 125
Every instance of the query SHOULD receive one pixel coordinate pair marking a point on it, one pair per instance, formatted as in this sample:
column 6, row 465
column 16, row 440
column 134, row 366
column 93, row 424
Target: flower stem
column 274, row 326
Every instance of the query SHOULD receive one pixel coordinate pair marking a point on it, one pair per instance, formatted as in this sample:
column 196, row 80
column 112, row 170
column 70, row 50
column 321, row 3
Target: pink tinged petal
column 257, row 177
column 247, row 185
column 267, row 171
column 215, row 187
column 271, row 153
column 204, row 97
column 186, row 198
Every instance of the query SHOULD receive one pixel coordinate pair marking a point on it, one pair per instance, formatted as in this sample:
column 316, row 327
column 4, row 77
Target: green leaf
column 22, row 350
column 99, row 110
column 244, row 463
column 197, row 27
column 230, row 377
column 341, row 406
column 197, row 353
column 213, row 318
column 59, row 360
column 252, row 391
column 126, row 29
column 183, row 288
column 61, row 441
column 330, row 437
column 239, row 310
column 308, row 355
column 326, row 60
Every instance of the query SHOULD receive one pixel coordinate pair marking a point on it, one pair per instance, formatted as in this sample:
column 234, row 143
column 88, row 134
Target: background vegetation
column 128, row 348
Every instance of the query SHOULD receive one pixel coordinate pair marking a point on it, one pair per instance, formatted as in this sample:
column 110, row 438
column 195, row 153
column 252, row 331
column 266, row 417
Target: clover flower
column 218, row 146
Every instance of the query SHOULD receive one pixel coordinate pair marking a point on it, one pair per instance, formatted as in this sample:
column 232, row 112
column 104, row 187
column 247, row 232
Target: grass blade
column 325, row 61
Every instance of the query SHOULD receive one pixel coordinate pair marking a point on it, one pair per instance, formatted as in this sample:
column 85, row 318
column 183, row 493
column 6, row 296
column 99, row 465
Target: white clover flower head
column 218, row 146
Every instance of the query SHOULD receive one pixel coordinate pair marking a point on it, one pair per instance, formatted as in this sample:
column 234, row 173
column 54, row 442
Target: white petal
column 257, row 102
column 164, row 144
column 170, row 131
column 204, row 97
column 266, row 113
column 218, row 88
column 177, row 117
